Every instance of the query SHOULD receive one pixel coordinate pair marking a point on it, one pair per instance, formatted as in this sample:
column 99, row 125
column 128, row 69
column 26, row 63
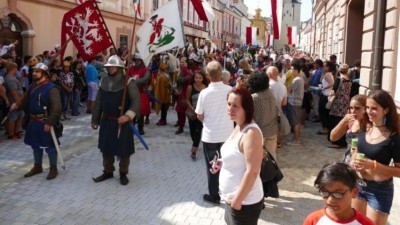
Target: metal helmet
column 42, row 67
column 137, row 56
column 114, row 61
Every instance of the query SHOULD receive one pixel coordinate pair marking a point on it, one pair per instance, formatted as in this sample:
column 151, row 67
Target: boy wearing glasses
column 337, row 184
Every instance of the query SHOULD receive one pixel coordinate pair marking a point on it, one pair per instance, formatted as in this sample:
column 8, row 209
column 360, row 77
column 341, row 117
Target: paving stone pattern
column 166, row 186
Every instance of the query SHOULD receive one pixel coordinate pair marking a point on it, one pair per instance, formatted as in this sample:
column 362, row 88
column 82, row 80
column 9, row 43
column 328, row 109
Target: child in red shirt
column 337, row 184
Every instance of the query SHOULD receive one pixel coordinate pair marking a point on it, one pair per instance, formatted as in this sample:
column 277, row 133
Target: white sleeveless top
column 324, row 85
column 234, row 168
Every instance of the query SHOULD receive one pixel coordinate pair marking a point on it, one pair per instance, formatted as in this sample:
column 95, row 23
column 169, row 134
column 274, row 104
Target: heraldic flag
column 161, row 32
column 87, row 30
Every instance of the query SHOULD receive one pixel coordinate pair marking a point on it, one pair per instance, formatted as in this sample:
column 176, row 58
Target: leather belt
column 38, row 116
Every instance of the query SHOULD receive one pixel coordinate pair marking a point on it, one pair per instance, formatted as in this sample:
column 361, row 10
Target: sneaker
column 211, row 200
column 294, row 143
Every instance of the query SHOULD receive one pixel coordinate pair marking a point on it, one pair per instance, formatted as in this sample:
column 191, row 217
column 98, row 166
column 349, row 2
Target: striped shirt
column 212, row 104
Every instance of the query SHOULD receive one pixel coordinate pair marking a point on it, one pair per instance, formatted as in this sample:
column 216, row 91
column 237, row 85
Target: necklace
column 378, row 126
column 374, row 138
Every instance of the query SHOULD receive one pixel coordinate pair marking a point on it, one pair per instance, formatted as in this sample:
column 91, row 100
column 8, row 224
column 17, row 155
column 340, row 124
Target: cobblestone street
column 166, row 186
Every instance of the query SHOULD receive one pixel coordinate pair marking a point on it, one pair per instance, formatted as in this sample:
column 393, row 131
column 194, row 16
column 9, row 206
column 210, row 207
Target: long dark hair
column 203, row 74
column 386, row 101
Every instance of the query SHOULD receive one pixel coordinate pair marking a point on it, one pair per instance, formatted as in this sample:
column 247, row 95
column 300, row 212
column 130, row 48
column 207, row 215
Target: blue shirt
column 316, row 79
column 91, row 74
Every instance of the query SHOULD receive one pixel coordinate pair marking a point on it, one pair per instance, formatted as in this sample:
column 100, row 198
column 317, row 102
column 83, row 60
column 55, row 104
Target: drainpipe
column 379, row 45
column 346, row 32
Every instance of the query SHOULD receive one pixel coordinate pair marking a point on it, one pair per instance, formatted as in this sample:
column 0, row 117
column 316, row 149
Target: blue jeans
column 210, row 151
column 76, row 98
column 38, row 155
column 66, row 100
column 378, row 194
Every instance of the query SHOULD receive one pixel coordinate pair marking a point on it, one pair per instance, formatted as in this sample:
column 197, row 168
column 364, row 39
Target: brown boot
column 53, row 172
column 37, row 168
column 89, row 108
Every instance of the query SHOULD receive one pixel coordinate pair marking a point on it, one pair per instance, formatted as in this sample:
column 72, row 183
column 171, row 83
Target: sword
column 53, row 135
column 136, row 132
column 6, row 117
column 153, row 98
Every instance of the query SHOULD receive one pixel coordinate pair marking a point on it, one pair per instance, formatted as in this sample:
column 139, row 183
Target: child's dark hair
column 337, row 172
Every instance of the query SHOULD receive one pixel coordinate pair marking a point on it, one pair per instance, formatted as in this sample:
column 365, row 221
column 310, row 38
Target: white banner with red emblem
column 161, row 32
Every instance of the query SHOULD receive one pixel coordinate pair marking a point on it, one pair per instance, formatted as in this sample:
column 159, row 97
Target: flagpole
column 126, row 75
column 180, row 16
column 133, row 35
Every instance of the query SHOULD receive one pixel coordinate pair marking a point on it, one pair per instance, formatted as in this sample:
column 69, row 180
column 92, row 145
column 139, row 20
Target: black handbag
column 270, row 169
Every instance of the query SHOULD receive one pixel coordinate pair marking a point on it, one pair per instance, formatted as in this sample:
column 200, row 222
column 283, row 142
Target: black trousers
column 195, row 126
column 333, row 121
column 164, row 110
column 108, row 163
column 210, row 150
column 247, row 215
column 323, row 111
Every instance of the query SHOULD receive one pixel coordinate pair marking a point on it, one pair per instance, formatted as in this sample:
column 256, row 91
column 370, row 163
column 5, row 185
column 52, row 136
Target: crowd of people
column 236, row 103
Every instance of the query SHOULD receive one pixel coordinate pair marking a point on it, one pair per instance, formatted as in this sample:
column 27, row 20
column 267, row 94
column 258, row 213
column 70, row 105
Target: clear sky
column 265, row 5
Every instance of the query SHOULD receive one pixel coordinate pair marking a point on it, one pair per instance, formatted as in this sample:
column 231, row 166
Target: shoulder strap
column 252, row 125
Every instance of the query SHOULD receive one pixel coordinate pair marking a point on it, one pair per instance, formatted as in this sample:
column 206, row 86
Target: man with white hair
column 217, row 126
column 280, row 93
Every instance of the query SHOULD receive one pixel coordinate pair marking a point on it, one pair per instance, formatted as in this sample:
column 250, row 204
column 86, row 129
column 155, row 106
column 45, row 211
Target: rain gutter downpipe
column 379, row 44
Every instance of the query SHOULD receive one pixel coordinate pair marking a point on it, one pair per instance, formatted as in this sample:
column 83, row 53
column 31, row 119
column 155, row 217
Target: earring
column 384, row 120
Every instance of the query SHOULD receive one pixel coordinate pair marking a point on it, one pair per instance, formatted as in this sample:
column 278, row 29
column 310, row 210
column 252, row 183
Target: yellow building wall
column 46, row 23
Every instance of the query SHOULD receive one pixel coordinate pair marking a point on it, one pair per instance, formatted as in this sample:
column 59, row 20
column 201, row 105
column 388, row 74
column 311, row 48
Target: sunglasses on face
column 336, row 195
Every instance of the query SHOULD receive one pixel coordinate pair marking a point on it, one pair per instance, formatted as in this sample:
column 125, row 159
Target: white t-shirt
column 212, row 103
column 279, row 90
column 282, row 78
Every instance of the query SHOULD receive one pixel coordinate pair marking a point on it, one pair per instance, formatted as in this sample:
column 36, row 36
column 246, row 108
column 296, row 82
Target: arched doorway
column 354, row 30
column 10, row 30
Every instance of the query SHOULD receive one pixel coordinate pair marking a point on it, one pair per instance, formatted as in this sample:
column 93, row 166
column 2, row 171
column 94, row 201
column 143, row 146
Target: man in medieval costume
column 115, row 135
column 141, row 74
column 42, row 104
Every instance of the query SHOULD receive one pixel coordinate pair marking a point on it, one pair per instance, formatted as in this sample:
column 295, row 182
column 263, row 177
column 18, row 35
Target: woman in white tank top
column 241, row 155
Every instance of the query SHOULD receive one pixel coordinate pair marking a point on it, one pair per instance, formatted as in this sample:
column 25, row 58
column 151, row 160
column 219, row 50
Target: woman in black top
column 192, row 94
column 79, row 84
column 378, row 144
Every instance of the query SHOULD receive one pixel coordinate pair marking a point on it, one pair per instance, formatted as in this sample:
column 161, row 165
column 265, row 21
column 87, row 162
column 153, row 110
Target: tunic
column 109, row 143
column 107, row 111
column 46, row 95
column 144, row 98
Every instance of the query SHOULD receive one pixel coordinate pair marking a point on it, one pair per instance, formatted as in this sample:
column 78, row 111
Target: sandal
column 334, row 146
column 193, row 155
